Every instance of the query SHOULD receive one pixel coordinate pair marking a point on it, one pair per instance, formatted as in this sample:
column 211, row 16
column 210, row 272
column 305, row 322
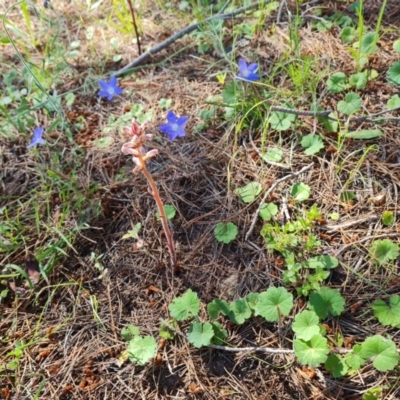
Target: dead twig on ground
column 269, row 191
column 180, row 34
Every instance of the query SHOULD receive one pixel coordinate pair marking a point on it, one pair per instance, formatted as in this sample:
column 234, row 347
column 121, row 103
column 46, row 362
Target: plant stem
column 161, row 210
column 135, row 27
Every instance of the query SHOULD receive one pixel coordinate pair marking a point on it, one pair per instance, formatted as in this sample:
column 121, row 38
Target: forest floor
column 66, row 205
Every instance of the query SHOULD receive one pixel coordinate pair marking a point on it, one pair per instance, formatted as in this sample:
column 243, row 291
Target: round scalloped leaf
column 337, row 365
column 185, row 307
column 382, row 351
column 216, row 307
column 300, row 192
column 312, row 352
column 383, row 251
column 352, row 102
column 200, row 334
column 305, row 325
column 220, row 334
column 274, row 303
column 359, row 80
column 239, row 311
column 268, row 211
column 225, row 232
column 249, row 192
column 336, row 82
column 393, row 73
column 327, row 262
column 312, row 143
column 326, row 301
column 393, row 102
column 388, row 314
column 142, row 349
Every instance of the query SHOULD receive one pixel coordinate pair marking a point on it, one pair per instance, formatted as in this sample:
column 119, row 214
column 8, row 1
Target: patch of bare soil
column 76, row 321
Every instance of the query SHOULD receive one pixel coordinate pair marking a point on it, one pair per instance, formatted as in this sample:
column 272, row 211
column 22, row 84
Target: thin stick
column 135, row 27
column 181, row 33
column 269, row 191
column 161, row 211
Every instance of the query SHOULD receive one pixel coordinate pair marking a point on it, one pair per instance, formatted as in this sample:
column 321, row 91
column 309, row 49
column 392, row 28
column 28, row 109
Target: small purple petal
column 37, row 137
column 181, row 121
column 253, row 67
column 242, row 64
column 171, row 117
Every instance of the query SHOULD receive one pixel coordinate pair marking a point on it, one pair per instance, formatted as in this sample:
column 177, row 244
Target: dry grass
column 71, row 328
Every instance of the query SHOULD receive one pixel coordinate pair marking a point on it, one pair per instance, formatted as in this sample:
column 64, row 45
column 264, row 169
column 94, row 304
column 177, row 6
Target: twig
column 135, row 27
column 269, row 191
column 348, row 224
column 279, row 15
column 182, row 33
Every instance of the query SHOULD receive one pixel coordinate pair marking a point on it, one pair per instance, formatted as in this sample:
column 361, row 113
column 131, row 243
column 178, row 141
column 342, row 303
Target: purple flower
column 247, row 72
column 175, row 126
column 37, row 137
column 109, row 89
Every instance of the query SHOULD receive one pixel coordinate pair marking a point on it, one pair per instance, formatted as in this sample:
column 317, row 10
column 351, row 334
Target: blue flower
column 37, row 137
column 175, row 126
column 109, row 89
column 247, row 72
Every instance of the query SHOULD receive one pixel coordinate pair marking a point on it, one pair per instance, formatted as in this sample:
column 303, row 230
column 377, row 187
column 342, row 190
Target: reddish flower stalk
column 138, row 137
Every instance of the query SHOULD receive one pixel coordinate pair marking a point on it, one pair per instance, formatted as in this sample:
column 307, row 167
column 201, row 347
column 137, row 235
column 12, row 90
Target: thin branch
column 135, row 26
column 182, row 33
column 269, row 191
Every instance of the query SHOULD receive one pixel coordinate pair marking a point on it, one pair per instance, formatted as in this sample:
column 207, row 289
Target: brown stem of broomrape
column 161, row 210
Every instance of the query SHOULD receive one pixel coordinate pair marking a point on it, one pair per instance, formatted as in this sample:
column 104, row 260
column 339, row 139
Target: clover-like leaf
column 382, row 351
column 388, row 314
column 383, row 251
column 352, row 102
column 225, row 232
column 249, row 192
column 359, row 80
column 305, row 325
column 337, row 365
column 169, row 210
column 393, row 73
column 268, row 211
column 200, row 334
column 239, row 311
column 326, row 301
column 348, row 34
column 274, row 155
column 216, row 307
column 327, row 262
column 274, row 303
column 312, row 352
column 142, row 349
column 336, row 82
column 353, row 359
column 185, row 307
column 252, row 300
column 364, row 134
column 300, row 191
column 312, row 143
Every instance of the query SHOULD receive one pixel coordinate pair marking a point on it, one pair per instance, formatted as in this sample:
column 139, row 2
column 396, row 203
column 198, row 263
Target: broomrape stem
column 161, row 210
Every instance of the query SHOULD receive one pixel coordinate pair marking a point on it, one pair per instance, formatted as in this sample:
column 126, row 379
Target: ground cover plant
column 207, row 212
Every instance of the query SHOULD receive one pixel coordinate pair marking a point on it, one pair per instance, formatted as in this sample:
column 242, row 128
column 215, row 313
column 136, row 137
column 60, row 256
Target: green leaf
column 327, row 262
column 274, row 155
column 393, row 102
column 169, row 210
column 372, row 394
column 382, row 351
column 337, row 365
column 347, row 196
column 225, row 232
column 305, row 325
column 393, row 73
column 388, row 314
column 239, row 311
column 281, row 121
column 165, row 104
column 129, row 332
column 396, row 45
column 348, row 34
column 142, row 349
column 200, row 334
column 249, row 192
column 229, row 93
column 268, row 211
column 383, row 251
column 220, row 334
column 329, row 124
column 388, row 218
column 185, row 307
column 252, row 300
column 353, row 359
column 312, row 352
column 358, row 80
column 336, row 82
column 300, row 192
column 368, row 43
column 364, row 134
column 313, row 143
column 326, row 301
column 352, row 102
column 133, row 233
column 274, row 303
column 167, row 333
column 216, row 307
